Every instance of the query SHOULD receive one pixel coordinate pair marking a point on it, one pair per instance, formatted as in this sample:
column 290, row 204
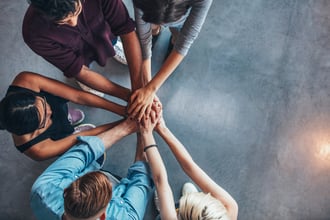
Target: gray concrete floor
column 251, row 102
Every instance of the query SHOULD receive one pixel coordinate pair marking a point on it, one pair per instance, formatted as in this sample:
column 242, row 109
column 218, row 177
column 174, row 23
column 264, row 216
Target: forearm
column 146, row 71
column 100, row 83
column 37, row 83
column 168, row 67
column 175, row 145
column 113, row 135
column 153, row 156
column 88, row 99
column 198, row 175
column 133, row 56
column 48, row 149
column 159, row 174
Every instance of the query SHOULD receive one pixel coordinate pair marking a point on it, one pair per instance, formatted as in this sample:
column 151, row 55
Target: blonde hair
column 199, row 205
column 88, row 195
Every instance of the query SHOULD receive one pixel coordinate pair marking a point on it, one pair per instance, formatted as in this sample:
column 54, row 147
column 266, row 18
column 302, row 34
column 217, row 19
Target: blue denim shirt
column 129, row 198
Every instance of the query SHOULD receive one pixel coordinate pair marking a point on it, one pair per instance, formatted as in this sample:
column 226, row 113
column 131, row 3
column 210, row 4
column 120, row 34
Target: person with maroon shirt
column 71, row 34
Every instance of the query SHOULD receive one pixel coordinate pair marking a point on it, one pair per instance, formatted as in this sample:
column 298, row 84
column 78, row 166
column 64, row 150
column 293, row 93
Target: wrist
column 161, row 129
column 145, row 133
column 129, row 125
column 151, row 87
column 149, row 146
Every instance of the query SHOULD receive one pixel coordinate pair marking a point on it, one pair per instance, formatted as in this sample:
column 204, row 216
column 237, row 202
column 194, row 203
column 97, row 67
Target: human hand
column 131, row 124
column 160, row 123
column 156, row 106
column 147, row 124
column 140, row 103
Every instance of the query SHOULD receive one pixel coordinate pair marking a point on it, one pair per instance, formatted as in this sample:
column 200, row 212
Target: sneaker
column 188, row 188
column 90, row 90
column 120, row 55
column 75, row 116
column 156, row 201
column 83, row 127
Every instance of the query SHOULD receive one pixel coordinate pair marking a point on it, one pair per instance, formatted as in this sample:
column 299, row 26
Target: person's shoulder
column 46, row 201
column 33, row 16
column 34, row 23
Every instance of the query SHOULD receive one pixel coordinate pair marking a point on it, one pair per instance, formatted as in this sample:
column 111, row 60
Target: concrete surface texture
column 251, row 102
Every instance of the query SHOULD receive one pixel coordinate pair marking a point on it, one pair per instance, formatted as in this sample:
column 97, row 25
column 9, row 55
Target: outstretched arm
column 204, row 182
column 99, row 82
column 133, row 55
column 166, row 201
column 141, row 100
column 109, row 133
column 49, row 148
column 36, row 82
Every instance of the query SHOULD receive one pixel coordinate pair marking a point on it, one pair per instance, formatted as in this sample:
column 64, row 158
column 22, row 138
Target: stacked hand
column 142, row 102
column 149, row 122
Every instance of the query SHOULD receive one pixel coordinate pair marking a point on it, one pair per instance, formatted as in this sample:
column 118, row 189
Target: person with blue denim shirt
column 185, row 19
column 73, row 188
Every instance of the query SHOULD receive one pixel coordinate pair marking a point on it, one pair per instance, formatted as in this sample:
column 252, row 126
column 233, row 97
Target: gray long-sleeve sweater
column 189, row 32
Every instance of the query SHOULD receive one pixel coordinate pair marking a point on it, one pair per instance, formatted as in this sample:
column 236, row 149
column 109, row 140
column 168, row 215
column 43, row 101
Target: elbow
column 232, row 208
column 23, row 76
column 37, row 154
column 159, row 180
column 37, row 158
column 188, row 165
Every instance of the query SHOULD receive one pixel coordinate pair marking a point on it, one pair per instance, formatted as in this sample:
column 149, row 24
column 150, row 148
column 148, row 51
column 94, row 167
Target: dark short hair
column 162, row 11
column 18, row 113
column 54, row 9
column 87, row 195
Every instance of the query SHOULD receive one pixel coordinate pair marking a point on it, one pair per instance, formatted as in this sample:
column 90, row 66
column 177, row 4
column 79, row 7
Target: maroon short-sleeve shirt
column 69, row 48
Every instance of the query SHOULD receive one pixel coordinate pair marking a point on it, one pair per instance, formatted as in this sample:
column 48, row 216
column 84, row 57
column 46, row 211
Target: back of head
column 55, row 9
column 18, row 113
column 88, row 195
column 162, row 12
column 201, row 206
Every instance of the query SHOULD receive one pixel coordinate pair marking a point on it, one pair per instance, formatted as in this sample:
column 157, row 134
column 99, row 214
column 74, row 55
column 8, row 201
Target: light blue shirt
column 129, row 198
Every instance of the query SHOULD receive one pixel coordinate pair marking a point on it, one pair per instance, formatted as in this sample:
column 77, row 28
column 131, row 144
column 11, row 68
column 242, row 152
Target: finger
column 136, row 111
column 148, row 110
column 141, row 113
column 152, row 117
column 158, row 117
column 143, row 122
column 132, row 103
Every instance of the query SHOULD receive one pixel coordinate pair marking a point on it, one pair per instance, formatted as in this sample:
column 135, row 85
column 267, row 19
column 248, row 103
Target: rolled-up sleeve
column 116, row 14
column 46, row 197
column 144, row 33
column 192, row 25
column 132, row 194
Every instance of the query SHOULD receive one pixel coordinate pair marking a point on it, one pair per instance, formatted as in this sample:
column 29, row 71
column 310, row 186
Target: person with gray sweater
column 185, row 19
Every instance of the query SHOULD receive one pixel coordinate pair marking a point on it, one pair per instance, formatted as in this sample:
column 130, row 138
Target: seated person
column 213, row 203
column 185, row 20
column 35, row 112
column 71, row 34
column 73, row 188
